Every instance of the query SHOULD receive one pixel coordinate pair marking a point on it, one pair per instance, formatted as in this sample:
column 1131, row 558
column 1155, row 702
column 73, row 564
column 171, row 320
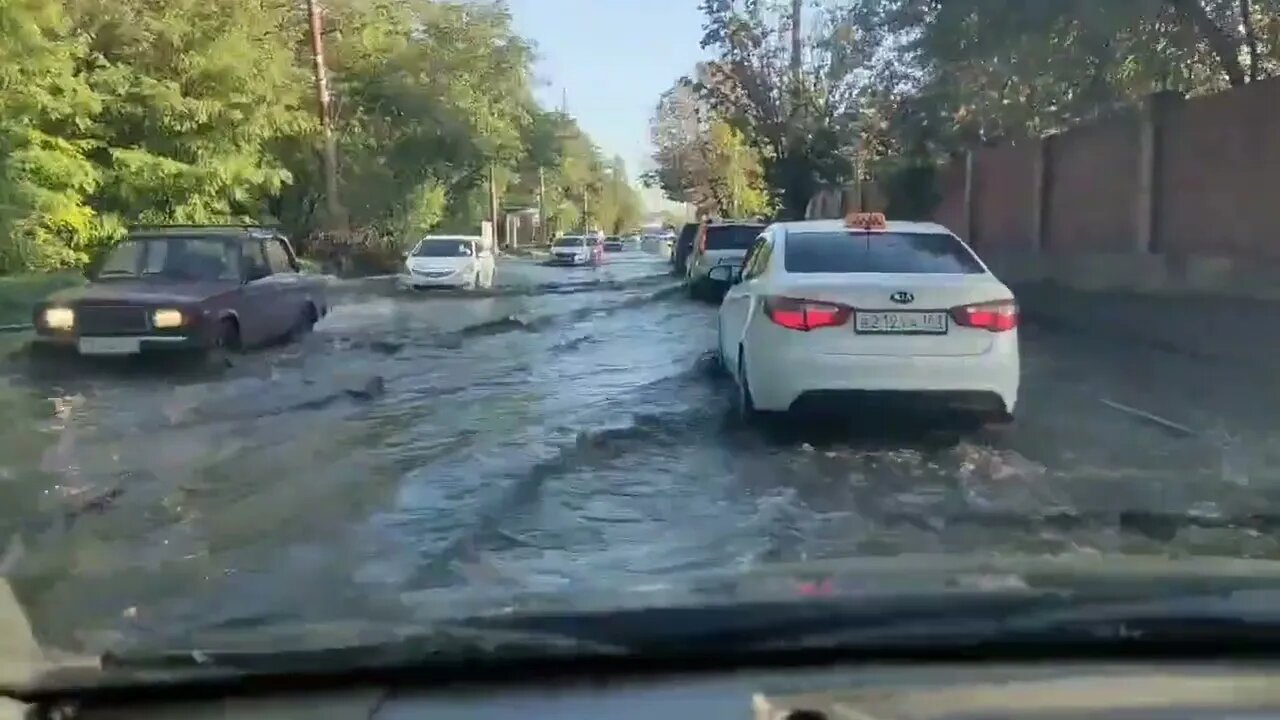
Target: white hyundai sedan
column 845, row 314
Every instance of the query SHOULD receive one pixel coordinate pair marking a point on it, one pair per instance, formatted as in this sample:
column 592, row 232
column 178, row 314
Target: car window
column 123, row 259
column 569, row 241
column 278, row 257
column 255, row 260
column 444, row 247
column 749, row 262
column 759, row 258
column 687, row 234
column 177, row 258
column 731, row 237
column 878, row 252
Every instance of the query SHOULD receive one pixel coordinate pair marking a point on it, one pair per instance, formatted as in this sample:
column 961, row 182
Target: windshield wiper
column 928, row 620
column 440, row 641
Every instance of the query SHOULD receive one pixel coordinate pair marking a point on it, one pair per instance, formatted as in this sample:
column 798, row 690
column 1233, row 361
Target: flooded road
column 562, row 431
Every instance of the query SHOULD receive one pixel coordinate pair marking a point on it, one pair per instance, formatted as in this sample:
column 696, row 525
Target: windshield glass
column 732, row 237
column 178, row 258
column 877, row 252
column 444, row 248
column 310, row 349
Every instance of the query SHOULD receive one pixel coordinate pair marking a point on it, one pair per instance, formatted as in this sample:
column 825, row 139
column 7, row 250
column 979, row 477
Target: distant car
column 866, row 311
column 613, row 243
column 575, row 250
column 718, row 243
column 454, row 261
column 185, row 288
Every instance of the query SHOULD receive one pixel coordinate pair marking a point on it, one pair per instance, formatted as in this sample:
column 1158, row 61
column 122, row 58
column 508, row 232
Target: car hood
column 142, row 291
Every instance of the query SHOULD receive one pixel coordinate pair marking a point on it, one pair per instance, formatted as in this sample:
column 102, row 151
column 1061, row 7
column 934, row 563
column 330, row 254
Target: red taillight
column 997, row 316
column 805, row 315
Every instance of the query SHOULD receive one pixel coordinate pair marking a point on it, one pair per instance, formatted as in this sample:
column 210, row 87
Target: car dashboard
column 969, row 691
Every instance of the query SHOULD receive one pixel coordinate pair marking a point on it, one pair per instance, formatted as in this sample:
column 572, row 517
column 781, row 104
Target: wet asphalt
column 565, row 430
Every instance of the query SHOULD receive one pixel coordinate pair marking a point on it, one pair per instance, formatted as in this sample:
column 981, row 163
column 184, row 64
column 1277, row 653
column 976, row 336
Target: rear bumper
column 982, row 384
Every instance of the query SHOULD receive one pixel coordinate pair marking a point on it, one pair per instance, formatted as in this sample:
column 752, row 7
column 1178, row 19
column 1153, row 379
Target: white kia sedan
column 849, row 314
column 454, row 261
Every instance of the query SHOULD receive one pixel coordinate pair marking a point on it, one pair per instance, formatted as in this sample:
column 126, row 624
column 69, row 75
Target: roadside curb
column 16, row 328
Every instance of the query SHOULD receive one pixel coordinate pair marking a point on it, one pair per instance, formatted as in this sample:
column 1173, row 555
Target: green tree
column 703, row 160
column 124, row 111
column 793, row 88
column 992, row 68
column 46, row 111
column 194, row 95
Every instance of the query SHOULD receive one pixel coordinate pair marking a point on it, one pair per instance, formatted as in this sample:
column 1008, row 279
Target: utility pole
column 493, row 200
column 542, row 207
column 330, row 157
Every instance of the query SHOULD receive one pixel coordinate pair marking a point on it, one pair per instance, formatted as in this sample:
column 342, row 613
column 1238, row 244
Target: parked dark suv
column 684, row 246
column 187, row 287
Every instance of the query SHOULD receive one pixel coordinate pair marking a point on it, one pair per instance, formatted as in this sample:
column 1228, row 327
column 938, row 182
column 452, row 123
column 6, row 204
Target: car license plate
column 109, row 346
column 890, row 322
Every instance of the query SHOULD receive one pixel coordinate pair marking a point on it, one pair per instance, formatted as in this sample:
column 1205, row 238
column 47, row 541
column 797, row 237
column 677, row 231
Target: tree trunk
column 1251, row 39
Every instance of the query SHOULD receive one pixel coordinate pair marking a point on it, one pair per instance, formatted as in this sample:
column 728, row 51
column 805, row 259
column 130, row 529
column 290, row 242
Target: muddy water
column 560, row 432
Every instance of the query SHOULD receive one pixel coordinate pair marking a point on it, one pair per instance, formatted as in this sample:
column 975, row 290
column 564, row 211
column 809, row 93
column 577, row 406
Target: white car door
column 735, row 309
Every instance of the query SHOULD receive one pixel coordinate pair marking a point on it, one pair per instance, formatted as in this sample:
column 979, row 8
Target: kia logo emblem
column 902, row 297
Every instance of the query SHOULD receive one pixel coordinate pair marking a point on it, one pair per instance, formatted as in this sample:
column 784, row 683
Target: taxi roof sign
column 866, row 221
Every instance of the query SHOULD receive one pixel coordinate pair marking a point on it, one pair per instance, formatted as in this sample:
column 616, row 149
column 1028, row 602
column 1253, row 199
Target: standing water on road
column 566, row 429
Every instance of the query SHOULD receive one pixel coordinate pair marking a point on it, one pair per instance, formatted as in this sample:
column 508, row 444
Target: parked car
column 575, row 250
column 185, row 288
column 683, row 246
column 863, row 312
column 718, row 243
column 454, row 261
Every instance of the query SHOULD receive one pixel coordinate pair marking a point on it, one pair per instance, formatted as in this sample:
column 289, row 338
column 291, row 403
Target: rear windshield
column 732, row 237
column 570, row 242
column 858, row 252
column 687, row 233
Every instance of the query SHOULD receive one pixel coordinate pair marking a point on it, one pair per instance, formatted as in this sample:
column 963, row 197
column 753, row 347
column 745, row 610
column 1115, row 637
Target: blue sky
column 612, row 58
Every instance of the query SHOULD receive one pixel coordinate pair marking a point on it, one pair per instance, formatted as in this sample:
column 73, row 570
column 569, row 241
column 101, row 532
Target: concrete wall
column 1143, row 225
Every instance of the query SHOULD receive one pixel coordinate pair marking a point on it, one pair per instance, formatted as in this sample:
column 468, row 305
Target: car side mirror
column 726, row 274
